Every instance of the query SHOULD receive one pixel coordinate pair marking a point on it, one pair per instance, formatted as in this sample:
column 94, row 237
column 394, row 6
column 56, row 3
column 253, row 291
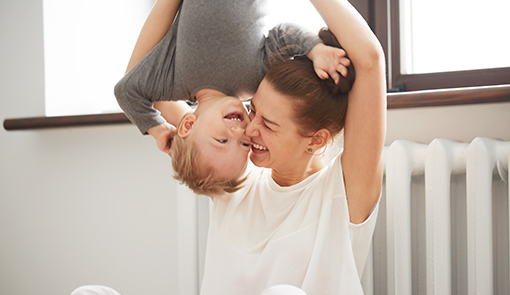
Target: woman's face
column 275, row 140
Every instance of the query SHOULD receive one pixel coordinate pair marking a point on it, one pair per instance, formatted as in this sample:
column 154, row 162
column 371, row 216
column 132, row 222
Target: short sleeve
column 361, row 238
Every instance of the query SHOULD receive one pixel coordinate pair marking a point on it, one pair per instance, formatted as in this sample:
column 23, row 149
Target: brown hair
column 198, row 177
column 318, row 104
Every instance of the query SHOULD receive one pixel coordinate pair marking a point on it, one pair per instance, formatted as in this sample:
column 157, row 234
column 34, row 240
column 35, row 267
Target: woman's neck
column 299, row 172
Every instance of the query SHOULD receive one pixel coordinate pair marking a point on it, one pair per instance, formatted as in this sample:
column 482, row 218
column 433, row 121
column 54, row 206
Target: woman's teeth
column 259, row 147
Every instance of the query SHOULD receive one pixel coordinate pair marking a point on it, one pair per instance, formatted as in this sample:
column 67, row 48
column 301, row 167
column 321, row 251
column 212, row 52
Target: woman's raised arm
column 154, row 29
column 365, row 125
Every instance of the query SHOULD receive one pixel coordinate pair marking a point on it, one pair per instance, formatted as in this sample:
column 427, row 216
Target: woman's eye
column 265, row 125
column 222, row 140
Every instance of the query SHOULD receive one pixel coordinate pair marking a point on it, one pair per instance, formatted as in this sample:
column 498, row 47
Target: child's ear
column 186, row 125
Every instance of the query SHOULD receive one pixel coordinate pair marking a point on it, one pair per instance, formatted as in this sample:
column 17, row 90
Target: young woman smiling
column 303, row 223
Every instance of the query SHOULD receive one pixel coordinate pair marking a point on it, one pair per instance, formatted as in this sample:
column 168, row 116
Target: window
column 87, row 45
column 444, row 43
column 456, row 35
column 429, row 44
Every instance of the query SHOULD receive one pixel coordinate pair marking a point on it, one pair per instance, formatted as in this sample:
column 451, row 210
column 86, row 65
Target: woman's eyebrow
column 263, row 118
column 269, row 121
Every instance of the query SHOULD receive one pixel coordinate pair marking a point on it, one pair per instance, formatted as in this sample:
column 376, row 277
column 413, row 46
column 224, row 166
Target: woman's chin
column 256, row 159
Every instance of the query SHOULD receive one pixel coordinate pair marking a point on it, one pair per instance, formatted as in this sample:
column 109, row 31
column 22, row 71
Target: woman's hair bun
column 345, row 83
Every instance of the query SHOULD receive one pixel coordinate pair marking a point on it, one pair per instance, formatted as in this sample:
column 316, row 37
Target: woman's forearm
column 365, row 121
column 154, row 29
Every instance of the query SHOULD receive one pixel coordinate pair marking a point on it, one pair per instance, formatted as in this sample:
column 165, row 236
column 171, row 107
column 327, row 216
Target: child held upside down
column 213, row 53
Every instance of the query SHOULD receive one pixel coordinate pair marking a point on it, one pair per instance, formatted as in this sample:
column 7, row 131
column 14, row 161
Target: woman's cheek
column 269, row 138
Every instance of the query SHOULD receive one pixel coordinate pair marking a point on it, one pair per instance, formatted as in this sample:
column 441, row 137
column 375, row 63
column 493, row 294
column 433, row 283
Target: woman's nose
column 251, row 129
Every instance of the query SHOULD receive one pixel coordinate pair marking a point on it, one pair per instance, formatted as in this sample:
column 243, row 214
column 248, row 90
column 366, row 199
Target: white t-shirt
column 300, row 235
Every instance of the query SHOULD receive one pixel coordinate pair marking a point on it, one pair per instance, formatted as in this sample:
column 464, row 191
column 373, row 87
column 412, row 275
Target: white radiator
column 443, row 224
column 444, row 220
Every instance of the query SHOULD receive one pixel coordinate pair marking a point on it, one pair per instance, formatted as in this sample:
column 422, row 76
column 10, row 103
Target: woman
column 303, row 223
column 214, row 53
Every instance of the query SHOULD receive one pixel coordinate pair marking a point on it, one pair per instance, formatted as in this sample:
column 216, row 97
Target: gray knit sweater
column 212, row 44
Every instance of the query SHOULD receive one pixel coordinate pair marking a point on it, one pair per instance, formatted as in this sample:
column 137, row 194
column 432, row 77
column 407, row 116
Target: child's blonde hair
column 198, row 177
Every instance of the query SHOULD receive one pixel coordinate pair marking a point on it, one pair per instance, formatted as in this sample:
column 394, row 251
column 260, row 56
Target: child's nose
column 237, row 132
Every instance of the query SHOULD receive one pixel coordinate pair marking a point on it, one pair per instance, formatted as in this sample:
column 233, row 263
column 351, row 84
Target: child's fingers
column 342, row 70
column 339, row 52
column 345, row 61
column 321, row 73
column 335, row 76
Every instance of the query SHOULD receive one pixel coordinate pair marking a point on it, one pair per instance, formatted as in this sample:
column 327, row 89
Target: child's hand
column 329, row 61
column 163, row 134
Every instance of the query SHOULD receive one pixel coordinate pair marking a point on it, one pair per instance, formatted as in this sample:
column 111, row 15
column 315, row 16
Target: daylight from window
column 454, row 35
column 87, row 45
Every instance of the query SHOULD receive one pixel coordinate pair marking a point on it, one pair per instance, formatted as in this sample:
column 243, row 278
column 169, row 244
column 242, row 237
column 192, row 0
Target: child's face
column 219, row 135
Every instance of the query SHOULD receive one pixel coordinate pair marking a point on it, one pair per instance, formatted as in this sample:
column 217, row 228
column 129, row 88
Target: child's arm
column 154, row 29
column 365, row 124
column 138, row 90
column 288, row 40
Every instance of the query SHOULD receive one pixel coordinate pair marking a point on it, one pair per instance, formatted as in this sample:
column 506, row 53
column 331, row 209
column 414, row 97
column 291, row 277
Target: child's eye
column 222, row 140
column 245, row 144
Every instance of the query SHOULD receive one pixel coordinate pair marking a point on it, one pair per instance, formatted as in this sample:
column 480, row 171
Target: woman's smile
column 258, row 149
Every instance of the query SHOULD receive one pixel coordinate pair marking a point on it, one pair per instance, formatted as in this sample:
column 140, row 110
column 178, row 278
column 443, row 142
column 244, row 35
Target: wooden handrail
column 397, row 100
column 65, row 121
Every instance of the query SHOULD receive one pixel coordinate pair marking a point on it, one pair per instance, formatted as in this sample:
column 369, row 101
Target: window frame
column 377, row 14
column 384, row 20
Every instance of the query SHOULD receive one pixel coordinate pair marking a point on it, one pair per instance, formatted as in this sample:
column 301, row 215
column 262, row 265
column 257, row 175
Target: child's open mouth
column 235, row 116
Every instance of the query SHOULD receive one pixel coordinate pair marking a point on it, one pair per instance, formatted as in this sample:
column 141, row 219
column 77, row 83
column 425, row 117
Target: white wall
column 77, row 205
column 463, row 123
column 97, row 205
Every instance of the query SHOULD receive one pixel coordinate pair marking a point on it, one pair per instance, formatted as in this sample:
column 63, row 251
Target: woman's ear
column 319, row 139
column 186, row 125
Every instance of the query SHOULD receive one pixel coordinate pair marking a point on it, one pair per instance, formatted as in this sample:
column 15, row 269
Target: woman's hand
column 163, row 134
column 329, row 61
